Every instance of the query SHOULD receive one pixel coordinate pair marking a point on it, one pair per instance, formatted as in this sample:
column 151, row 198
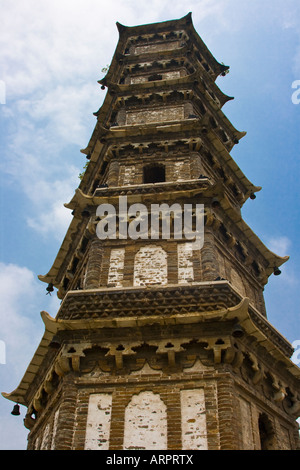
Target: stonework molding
column 157, row 344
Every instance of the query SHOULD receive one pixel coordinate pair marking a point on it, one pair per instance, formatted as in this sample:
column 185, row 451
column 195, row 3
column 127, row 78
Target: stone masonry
column 158, row 343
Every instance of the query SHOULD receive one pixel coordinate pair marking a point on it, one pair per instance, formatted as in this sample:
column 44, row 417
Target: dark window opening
column 84, row 244
column 266, row 433
column 154, row 174
column 74, row 265
column 103, row 168
column 66, row 283
column 154, row 77
column 95, row 186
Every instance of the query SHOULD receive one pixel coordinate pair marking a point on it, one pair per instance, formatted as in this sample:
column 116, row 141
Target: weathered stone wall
column 116, row 267
column 140, row 263
column 194, row 432
column 156, row 47
column 145, row 422
column 150, row 266
column 160, row 114
column 98, row 421
column 164, row 76
column 192, row 385
column 177, row 168
column 200, row 409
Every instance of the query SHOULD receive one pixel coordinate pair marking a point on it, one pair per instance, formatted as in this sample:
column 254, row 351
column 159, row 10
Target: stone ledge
column 140, row 301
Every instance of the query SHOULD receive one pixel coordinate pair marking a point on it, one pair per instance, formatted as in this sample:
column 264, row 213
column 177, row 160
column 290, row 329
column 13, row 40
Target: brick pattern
column 67, row 414
column 163, row 262
column 200, row 410
column 194, row 433
column 98, row 422
column 246, row 425
column 185, row 263
column 147, row 116
column 159, row 47
column 93, row 270
column 150, row 266
column 227, row 423
column 113, row 173
column 145, row 423
column 177, row 167
column 116, row 267
column 126, row 392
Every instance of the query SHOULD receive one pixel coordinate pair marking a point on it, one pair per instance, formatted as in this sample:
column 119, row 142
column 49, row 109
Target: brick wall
column 137, row 263
column 161, row 114
column 191, row 411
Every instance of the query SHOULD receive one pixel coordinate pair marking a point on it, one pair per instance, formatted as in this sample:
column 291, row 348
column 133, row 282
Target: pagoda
column 160, row 342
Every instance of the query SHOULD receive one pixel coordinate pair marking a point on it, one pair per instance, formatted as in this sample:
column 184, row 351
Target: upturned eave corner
column 238, row 313
column 185, row 22
column 147, row 316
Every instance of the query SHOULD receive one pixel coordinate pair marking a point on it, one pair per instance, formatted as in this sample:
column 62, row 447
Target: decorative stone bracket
column 252, row 323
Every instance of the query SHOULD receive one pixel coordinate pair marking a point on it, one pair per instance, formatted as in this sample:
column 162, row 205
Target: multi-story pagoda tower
column 159, row 343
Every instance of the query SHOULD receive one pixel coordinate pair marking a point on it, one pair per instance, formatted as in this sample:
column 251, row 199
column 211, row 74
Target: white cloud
column 280, row 245
column 289, row 16
column 63, row 111
column 60, row 40
column 19, row 328
column 53, row 220
column 29, row 163
column 46, row 42
column 53, row 53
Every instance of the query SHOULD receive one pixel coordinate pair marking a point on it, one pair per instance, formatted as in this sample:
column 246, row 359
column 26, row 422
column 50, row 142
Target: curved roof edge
column 187, row 19
column 240, row 312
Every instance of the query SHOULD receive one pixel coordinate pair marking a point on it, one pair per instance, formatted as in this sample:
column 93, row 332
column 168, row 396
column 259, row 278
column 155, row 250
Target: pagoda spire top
column 185, row 20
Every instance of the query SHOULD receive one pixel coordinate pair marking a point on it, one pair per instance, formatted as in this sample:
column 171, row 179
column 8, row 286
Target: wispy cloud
column 53, row 53
column 20, row 322
column 28, row 163
column 280, row 245
column 21, row 329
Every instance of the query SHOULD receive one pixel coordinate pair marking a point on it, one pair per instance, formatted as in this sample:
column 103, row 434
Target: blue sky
column 52, row 53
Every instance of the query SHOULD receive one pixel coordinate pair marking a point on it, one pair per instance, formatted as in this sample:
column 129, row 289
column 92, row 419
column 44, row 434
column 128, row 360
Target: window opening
column 154, row 174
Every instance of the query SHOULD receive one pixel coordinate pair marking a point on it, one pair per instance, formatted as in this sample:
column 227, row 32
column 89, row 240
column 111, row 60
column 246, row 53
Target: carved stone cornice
column 136, row 302
column 222, row 347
